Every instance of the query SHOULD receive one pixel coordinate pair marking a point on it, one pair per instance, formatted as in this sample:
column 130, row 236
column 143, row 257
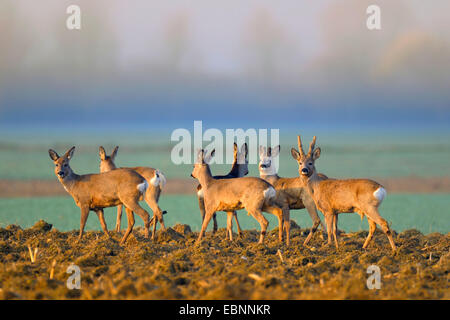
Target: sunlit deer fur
column 334, row 196
column 155, row 179
column 238, row 169
column 98, row 191
column 291, row 192
column 250, row 193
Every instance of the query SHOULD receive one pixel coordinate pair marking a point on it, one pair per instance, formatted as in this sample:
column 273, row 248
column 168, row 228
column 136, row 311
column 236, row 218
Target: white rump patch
column 158, row 180
column 142, row 187
column 162, row 179
column 380, row 194
column 200, row 193
column 269, row 193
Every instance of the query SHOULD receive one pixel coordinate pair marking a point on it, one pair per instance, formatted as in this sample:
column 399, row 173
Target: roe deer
column 98, row 191
column 291, row 192
column 238, row 169
column 334, row 196
column 155, row 179
column 250, row 193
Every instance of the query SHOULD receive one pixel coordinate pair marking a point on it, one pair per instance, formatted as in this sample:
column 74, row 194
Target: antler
column 300, row 148
column 311, row 146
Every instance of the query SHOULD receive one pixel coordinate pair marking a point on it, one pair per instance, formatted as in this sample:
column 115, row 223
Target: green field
column 25, row 156
column 425, row 212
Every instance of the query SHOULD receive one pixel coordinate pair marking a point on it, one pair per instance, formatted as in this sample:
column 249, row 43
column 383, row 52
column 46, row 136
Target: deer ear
column 295, row 154
column 102, row 153
column 209, row 156
column 69, row 153
column 53, row 155
column 114, row 153
column 199, row 156
column 316, row 154
column 276, row 151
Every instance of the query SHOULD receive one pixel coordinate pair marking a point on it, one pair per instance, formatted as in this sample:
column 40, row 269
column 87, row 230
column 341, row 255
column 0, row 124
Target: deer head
column 201, row 165
column 266, row 163
column 62, row 167
column 306, row 161
column 107, row 162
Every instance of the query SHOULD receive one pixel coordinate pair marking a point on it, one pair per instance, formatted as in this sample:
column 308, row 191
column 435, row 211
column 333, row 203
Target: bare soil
column 175, row 267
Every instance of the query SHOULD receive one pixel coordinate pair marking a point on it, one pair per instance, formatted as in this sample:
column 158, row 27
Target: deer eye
column 310, row 163
column 65, row 165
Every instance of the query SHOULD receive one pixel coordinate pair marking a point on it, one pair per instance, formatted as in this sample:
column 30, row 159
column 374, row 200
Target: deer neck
column 234, row 172
column 312, row 182
column 267, row 172
column 205, row 177
column 69, row 182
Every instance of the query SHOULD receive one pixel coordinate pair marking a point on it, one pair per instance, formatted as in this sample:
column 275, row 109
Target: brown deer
column 292, row 193
column 238, row 169
column 98, row 191
column 250, row 193
column 334, row 196
column 155, row 179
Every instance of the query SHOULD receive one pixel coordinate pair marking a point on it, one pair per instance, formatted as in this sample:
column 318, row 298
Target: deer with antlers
column 250, row 193
column 238, row 169
column 291, row 192
column 98, row 191
column 334, row 196
column 155, row 179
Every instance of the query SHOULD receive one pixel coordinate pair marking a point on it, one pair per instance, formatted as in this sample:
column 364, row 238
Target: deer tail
column 159, row 179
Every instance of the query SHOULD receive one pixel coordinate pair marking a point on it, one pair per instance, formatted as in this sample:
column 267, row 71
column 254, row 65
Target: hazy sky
column 231, row 61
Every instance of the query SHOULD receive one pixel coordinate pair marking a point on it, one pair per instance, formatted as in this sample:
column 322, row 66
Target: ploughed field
column 175, row 267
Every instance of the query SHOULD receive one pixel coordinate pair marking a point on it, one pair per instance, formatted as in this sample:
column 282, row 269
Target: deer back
column 106, row 189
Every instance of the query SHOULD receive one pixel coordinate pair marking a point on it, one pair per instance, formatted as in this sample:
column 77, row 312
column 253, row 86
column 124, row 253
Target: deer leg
column 84, row 216
column 335, row 222
column 101, row 217
column 312, row 211
column 135, row 207
column 157, row 212
column 205, row 223
column 130, row 221
column 119, row 218
column 152, row 197
column 279, row 214
column 373, row 214
column 257, row 214
column 372, row 228
column 201, row 205
column 287, row 224
column 237, row 224
column 230, row 225
column 329, row 222
column 215, row 223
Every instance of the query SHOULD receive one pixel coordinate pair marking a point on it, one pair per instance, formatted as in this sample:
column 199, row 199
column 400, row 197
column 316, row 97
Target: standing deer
column 334, row 196
column 98, row 191
column 250, row 193
column 155, row 179
column 291, row 192
column 238, row 169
